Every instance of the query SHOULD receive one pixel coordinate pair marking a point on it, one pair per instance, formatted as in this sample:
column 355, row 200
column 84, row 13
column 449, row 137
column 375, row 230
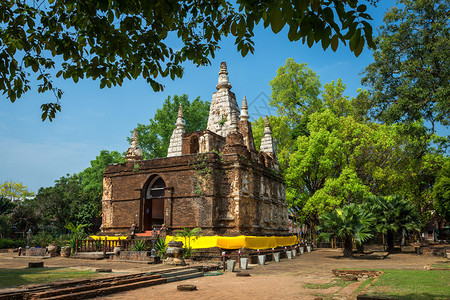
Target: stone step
column 92, row 286
column 184, row 277
column 109, row 290
column 179, row 273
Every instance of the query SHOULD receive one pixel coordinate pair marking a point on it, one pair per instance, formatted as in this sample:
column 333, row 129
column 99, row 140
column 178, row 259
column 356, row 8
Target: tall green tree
column 295, row 91
column 409, row 79
column 154, row 138
column 441, row 192
column 116, row 40
column 6, row 207
column 59, row 204
column 26, row 215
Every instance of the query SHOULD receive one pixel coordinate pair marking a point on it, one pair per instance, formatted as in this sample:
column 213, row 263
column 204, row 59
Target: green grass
column 336, row 282
column 412, row 284
column 363, row 285
column 17, row 277
column 442, row 265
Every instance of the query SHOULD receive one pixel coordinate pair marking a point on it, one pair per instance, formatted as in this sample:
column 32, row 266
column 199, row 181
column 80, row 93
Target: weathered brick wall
column 224, row 194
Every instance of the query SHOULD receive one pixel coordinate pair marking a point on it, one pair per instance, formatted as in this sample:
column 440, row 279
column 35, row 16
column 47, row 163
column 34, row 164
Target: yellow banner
column 250, row 242
column 109, row 238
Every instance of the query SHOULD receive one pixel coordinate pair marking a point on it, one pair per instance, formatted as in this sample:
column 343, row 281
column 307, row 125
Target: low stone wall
column 437, row 250
column 36, row 252
column 357, row 273
column 136, row 256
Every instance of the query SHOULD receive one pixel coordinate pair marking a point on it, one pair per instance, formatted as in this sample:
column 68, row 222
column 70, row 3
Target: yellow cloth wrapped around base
column 109, row 238
column 237, row 242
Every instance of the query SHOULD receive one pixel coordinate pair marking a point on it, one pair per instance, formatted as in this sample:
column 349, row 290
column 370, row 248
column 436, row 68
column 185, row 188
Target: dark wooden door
column 154, row 205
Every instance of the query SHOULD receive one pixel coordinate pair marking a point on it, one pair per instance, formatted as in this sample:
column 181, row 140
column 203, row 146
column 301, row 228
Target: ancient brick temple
column 213, row 179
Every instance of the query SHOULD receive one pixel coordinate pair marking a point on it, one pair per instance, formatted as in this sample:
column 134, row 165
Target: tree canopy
column 441, row 191
column 332, row 153
column 15, row 191
column 116, row 40
column 154, row 138
column 409, row 79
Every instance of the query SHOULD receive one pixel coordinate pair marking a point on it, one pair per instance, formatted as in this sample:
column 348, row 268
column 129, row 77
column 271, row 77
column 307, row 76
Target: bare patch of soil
column 283, row 280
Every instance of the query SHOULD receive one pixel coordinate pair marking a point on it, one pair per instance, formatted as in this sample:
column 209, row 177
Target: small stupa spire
column 134, row 152
column 223, row 82
column 176, row 140
column 267, row 143
column 233, row 124
column 267, row 128
column 244, row 110
column 180, row 120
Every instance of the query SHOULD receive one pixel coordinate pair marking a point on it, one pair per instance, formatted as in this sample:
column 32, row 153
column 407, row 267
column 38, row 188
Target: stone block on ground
column 39, row 264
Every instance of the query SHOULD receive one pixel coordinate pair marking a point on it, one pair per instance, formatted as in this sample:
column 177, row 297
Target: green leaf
column 234, row 28
column 325, row 42
column 310, row 39
column 334, row 42
column 360, row 47
column 293, row 32
column 355, row 39
column 276, row 20
column 361, row 8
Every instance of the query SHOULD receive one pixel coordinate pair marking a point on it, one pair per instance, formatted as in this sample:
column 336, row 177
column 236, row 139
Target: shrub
column 161, row 247
column 9, row 243
column 140, row 245
column 41, row 239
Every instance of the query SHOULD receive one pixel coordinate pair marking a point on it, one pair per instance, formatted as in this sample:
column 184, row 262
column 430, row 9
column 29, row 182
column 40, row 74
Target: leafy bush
column 41, row 239
column 77, row 233
column 140, row 245
column 161, row 247
column 9, row 243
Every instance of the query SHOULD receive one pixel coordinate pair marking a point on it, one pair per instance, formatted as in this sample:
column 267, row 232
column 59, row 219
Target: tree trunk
column 360, row 248
column 390, row 241
column 348, row 246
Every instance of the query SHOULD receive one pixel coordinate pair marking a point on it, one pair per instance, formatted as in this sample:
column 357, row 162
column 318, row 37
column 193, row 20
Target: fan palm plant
column 351, row 222
column 394, row 213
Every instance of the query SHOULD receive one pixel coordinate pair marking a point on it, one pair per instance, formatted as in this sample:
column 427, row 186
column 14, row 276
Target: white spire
column 244, row 110
column 223, row 103
column 176, row 140
column 180, row 120
column 223, row 82
column 267, row 144
column 233, row 124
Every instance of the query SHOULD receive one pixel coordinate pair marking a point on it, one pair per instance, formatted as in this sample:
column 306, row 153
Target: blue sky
column 92, row 119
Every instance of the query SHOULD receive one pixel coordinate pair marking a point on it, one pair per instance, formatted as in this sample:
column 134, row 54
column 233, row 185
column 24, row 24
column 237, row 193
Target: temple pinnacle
column 180, row 120
column 223, row 82
column 244, row 110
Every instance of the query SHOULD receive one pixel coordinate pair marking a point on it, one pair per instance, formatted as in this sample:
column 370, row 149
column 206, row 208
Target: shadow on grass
column 10, row 278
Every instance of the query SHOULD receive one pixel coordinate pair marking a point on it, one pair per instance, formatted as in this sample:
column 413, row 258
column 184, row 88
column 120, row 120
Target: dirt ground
column 285, row 279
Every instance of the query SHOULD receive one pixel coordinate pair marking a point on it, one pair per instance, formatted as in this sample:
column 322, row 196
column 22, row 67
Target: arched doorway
column 154, row 204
